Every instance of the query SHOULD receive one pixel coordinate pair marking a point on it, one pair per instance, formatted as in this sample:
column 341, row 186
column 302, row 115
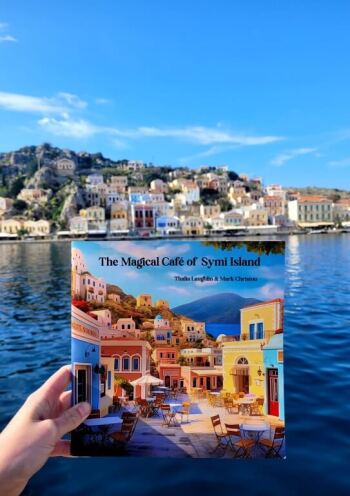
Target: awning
column 202, row 373
column 240, row 370
column 315, row 224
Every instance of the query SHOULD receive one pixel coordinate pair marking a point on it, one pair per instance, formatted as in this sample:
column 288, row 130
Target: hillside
column 223, row 308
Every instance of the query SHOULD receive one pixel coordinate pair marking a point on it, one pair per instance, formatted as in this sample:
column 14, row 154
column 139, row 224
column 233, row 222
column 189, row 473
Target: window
column 116, row 363
column 242, row 361
column 126, row 363
column 251, row 331
column 260, row 330
column 135, row 363
column 109, row 379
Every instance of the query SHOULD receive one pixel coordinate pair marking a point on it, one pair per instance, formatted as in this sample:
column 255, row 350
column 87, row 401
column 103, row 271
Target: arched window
column 126, row 362
column 242, row 361
column 135, row 362
column 116, row 363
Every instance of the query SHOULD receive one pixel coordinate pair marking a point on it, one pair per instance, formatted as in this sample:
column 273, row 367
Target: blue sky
column 260, row 86
column 160, row 281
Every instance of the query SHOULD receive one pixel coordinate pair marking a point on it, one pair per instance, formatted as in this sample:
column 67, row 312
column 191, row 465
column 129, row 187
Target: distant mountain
column 221, row 308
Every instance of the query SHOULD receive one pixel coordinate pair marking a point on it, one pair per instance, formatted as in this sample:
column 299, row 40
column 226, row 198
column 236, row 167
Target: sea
column 35, row 341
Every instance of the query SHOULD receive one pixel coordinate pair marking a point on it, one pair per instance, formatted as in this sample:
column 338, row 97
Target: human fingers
column 65, row 401
column 71, row 418
column 58, row 382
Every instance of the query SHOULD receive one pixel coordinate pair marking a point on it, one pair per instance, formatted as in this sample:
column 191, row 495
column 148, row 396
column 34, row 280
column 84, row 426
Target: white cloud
column 176, row 289
column 62, row 103
column 285, row 157
column 270, row 291
column 345, row 162
column 206, row 136
column 102, row 101
column 69, row 128
column 8, row 38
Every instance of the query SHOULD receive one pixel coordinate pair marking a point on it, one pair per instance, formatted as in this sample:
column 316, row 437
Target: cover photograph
column 178, row 347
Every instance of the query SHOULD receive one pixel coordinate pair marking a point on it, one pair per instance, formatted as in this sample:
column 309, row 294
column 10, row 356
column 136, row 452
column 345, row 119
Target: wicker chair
column 185, row 410
column 169, row 417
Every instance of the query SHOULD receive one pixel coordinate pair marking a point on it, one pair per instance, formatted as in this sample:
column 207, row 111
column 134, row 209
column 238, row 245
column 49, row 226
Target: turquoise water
column 34, row 323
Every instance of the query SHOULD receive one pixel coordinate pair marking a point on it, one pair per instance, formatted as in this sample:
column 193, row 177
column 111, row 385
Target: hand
column 35, row 432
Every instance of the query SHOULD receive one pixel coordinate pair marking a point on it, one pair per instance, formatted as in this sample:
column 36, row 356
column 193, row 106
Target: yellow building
column 243, row 360
column 144, row 300
column 162, row 304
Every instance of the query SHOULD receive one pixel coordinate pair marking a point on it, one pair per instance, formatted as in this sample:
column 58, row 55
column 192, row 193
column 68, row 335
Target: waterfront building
column 96, row 194
column 233, row 218
column 143, row 216
column 37, row 228
column 308, row 211
column 113, row 195
column 273, row 360
column 10, row 226
column 243, row 366
column 341, row 210
column 93, row 214
column 274, row 205
column 167, row 225
column 78, row 225
column 192, row 226
column 118, row 225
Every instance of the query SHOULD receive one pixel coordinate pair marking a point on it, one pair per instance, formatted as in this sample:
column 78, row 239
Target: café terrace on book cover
column 178, row 346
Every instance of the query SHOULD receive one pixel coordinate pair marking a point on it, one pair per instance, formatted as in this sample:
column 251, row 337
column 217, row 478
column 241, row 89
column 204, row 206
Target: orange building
column 130, row 360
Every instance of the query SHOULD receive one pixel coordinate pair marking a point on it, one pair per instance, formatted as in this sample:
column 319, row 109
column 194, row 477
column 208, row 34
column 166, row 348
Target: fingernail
column 84, row 409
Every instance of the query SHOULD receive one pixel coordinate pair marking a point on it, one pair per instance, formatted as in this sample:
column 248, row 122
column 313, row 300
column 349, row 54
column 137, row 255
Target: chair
column 257, row 407
column 185, row 411
column 241, row 394
column 221, row 436
column 169, row 417
column 241, row 446
column 124, row 435
column 230, row 405
column 273, row 446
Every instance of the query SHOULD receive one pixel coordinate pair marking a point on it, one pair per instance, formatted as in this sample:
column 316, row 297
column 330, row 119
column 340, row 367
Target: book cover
column 178, row 347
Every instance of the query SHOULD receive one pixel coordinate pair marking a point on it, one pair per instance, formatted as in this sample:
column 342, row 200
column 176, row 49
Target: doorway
column 82, row 383
column 272, row 392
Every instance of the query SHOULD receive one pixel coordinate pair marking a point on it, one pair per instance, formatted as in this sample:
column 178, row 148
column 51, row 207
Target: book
column 178, row 347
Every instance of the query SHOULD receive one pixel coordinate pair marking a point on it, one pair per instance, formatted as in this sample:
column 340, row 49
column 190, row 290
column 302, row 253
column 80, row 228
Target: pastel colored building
column 143, row 216
column 162, row 331
column 93, row 381
column 114, row 297
column 33, row 195
column 311, row 210
column 193, row 331
column 207, row 378
column 126, row 327
column 274, row 378
column 65, row 166
column 202, row 357
column 83, row 284
column 131, row 360
column 78, row 225
column 192, row 226
column 166, row 225
column 243, row 360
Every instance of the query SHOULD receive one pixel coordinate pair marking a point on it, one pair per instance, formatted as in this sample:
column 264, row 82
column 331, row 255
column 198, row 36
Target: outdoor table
column 255, row 430
column 175, row 406
column 244, row 404
column 104, row 424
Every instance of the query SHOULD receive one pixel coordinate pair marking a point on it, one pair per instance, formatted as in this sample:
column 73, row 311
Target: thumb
column 71, row 418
